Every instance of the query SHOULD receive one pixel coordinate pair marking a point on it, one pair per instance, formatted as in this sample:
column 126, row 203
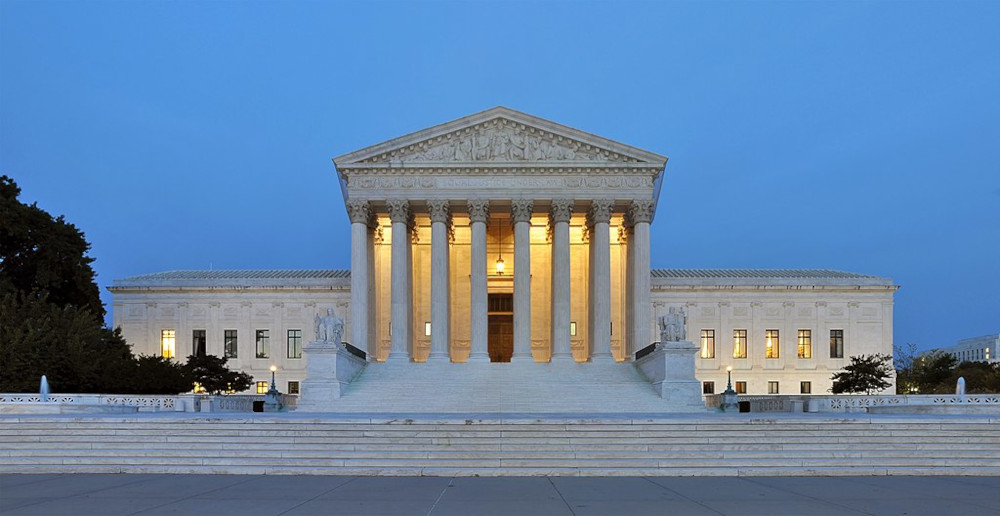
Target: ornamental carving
column 500, row 140
column 600, row 211
column 640, row 211
column 479, row 210
column 438, row 211
column 561, row 210
column 358, row 211
column 521, row 210
column 399, row 210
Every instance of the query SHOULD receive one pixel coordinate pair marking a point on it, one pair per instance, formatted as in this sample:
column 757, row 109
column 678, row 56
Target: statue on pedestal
column 673, row 325
column 329, row 327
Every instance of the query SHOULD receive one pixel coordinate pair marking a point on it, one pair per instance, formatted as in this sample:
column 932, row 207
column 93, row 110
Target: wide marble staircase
column 705, row 444
column 500, row 388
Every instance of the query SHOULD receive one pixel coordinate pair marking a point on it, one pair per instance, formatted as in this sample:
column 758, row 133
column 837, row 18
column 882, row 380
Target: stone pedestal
column 329, row 368
column 670, row 368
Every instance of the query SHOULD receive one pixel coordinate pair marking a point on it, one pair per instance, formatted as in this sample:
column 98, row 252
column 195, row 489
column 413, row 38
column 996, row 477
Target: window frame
column 707, row 344
column 168, row 343
column 230, row 343
column 772, row 336
column 262, row 343
column 293, row 344
column 837, row 343
column 804, row 337
column 773, row 387
column 708, row 387
column 805, row 387
column 740, row 343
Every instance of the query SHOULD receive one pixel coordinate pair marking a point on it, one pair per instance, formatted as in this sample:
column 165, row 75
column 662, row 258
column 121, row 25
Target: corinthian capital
column 399, row 210
column 439, row 211
column 639, row 211
column 521, row 210
column 561, row 210
column 600, row 211
column 479, row 210
column 359, row 211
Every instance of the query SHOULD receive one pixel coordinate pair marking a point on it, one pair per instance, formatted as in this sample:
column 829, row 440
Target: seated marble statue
column 329, row 328
column 673, row 325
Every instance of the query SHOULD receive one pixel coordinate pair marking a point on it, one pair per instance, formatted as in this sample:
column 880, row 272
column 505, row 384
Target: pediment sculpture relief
column 501, row 141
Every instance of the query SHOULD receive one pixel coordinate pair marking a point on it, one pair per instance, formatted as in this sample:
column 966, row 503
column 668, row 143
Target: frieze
column 499, row 140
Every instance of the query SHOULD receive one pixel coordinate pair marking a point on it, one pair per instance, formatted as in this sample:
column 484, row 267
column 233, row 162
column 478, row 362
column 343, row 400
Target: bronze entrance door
column 500, row 337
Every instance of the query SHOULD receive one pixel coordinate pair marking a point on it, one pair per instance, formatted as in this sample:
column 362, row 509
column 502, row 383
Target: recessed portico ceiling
column 499, row 136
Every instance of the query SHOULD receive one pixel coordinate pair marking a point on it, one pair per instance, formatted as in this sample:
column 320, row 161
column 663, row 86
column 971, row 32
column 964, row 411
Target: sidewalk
column 220, row 495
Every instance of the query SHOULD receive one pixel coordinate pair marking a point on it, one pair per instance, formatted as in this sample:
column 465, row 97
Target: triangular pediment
column 498, row 135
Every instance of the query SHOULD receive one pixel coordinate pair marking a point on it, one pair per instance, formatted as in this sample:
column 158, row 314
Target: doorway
column 500, row 337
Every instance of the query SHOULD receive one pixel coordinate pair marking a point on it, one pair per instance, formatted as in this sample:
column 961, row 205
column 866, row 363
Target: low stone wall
column 155, row 402
column 852, row 402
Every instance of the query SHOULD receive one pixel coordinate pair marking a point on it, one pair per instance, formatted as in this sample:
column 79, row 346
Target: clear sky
column 859, row 136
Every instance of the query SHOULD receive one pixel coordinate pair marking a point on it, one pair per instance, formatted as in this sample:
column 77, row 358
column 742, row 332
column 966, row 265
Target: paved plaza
column 248, row 495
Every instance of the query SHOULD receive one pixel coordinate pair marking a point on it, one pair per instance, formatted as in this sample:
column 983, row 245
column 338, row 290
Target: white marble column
column 479, row 214
column 440, row 289
column 521, row 211
column 399, row 214
column 600, row 265
column 360, row 214
column 559, row 215
column 640, row 214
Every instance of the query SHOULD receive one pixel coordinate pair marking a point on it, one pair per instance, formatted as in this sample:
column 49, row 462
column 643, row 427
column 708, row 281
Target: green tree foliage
column 44, row 256
column 938, row 372
column 211, row 373
column 866, row 373
column 158, row 375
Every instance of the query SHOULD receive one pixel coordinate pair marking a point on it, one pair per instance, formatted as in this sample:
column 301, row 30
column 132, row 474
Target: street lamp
column 272, row 400
column 730, row 400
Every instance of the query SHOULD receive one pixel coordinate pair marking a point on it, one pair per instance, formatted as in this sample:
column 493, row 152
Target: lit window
column 805, row 344
column 198, row 343
column 836, row 343
column 707, row 343
column 771, row 344
column 572, row 329
column 772, row 387
column 294, row 343
column 229, row 343
column 741, row 387
column 293, row 387
column 263, row 343
column 261, row 387
column 805, row 387
column 708, row 387
column 739, row 343
column 427, row 329
column 168, row 340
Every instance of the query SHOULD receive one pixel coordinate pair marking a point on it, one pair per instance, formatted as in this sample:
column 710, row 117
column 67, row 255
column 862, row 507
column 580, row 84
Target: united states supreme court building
column 500, row 241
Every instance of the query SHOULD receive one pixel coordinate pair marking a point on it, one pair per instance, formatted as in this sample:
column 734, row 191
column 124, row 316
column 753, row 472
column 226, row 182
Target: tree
column 44, row 256
column 158, row 375
column 866, row 373
column 211, row 373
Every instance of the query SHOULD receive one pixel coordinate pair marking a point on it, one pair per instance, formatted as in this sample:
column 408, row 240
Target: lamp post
column 272, row 400
column 730, row 400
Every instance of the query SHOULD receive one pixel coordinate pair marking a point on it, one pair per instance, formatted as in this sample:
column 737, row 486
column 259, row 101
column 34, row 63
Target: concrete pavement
column 248, row 495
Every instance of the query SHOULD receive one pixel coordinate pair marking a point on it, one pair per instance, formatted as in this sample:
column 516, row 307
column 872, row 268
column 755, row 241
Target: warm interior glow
column 274, row 368
column 168, row 341
column 729, row 368
column 500, row 266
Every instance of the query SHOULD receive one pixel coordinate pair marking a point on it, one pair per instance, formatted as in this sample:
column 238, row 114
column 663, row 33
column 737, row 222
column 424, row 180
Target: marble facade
column 433, row 216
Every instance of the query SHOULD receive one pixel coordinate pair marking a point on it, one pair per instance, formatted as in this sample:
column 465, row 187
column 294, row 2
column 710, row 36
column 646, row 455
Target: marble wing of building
column 503, row 237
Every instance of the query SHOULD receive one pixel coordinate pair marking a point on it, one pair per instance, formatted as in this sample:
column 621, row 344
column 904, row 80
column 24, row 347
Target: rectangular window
column 263, row 343
column 293, row 387
column 772, row 387
column 771, row 344
column 199, row 343
column 168, row 341
column 739, row 343
column 836, row 343
column 741, row 387
column 708, row 387
column 805, row 387
column 294, row 343
column 262, row 387
column 229, row 343
column 805, row 344
column 707, row 343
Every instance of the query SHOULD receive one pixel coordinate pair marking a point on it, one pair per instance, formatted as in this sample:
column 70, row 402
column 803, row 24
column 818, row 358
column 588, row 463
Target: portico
column 500, row 202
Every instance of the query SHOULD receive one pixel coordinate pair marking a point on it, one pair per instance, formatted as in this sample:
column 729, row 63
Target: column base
column 562, row 358
column 440, row 358
column 478, row 358
column 602, row 359
column 393, row 357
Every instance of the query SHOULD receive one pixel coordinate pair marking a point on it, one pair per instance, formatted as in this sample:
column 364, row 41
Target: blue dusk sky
column 859, row 136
